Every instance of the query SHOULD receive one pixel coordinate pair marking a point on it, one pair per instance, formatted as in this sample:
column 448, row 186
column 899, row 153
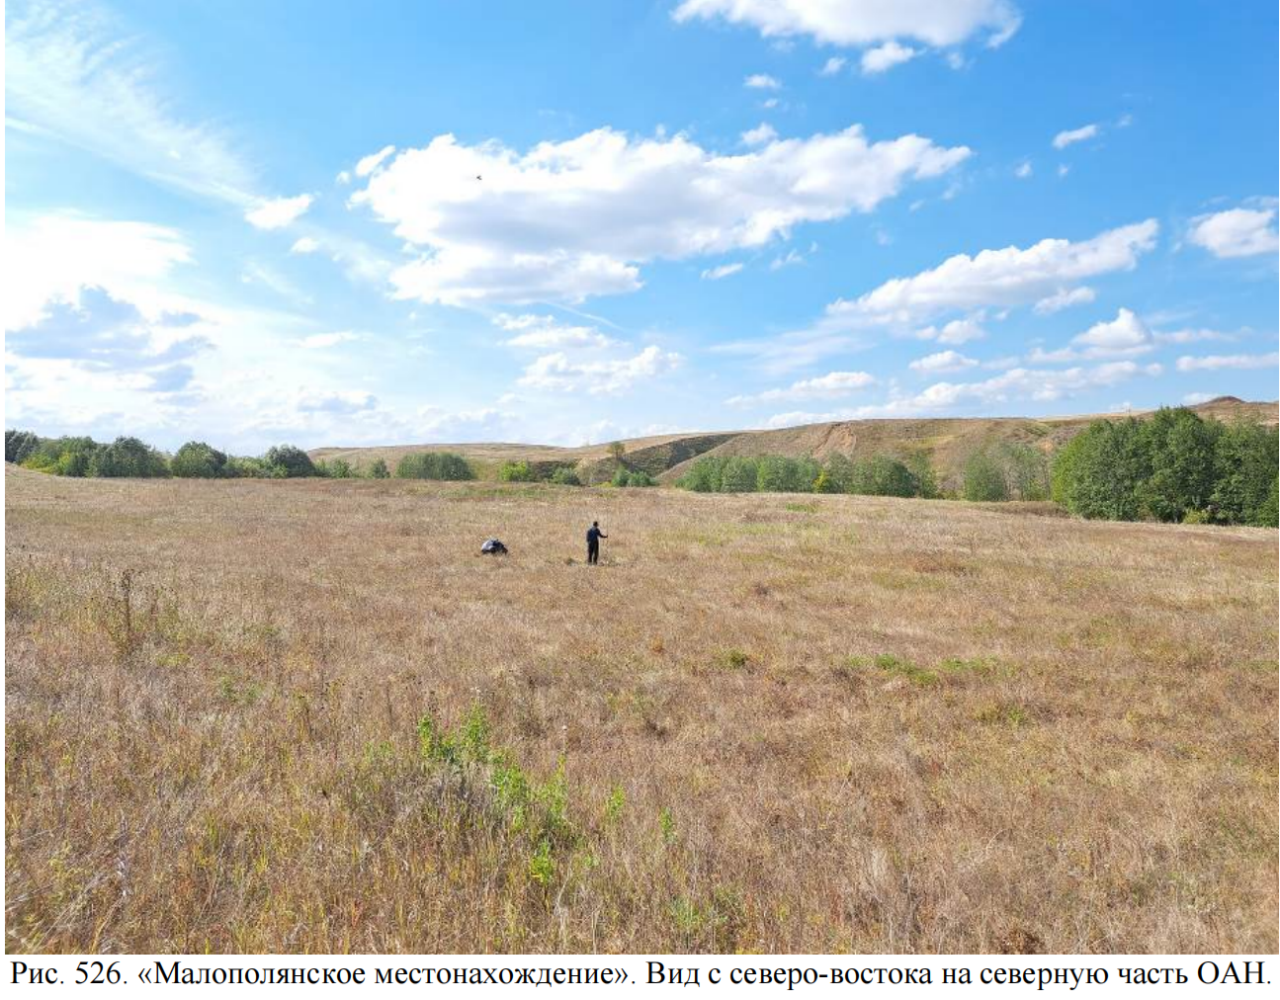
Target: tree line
column 1173, row 466
column 129, row 457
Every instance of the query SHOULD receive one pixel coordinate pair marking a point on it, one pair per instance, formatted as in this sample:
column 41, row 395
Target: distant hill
column 947, row 442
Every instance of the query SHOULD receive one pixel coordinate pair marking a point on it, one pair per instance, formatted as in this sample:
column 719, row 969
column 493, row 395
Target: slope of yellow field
column 308, row 716
column 947, row 442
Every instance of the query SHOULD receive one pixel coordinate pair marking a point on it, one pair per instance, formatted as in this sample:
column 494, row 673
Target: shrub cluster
column 623, row 476
column 1007, row 471
column 1174, row 466
column 445, row 465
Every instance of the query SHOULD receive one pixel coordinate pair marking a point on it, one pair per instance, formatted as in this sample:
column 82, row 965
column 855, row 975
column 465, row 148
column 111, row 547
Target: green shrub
column 881, row 476
column 984, row 478
column 378, row 469
column 439, row 465
column 565, row 475
column 516, row 472
column 292, row 462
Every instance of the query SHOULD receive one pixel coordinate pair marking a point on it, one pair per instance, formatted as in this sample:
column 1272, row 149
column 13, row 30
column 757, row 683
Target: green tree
column 565, row 475
column 292, row 462
column 1182, row 451
column 378, row 469
column 882, row 476
column 197, row 460
column 740, row 475
column 984, row 478
column 1246, row 457
column 18, row 445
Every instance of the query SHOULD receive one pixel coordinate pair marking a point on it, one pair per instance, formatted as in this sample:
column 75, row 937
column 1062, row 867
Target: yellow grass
column 764, row 723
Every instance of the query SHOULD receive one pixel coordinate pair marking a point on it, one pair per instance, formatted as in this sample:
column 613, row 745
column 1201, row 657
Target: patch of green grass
column 983, row 666
column 1004, row 713
column 733, row 659
column 897, row 666
column 802, row 508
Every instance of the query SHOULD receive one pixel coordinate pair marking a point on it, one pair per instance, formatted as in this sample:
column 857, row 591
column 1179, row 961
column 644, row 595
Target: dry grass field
column 296, row 716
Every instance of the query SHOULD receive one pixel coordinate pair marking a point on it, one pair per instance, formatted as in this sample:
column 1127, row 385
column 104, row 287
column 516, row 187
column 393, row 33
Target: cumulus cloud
column 943, row 361
column 958, row 331
column 762, row 81
column 276, row 213
column 1125, row 336
column 304, row 245
column 1237, row 232
column 833, row 65
column 560, row 373
column 833, row 385
column 54, row 256
column 368, row 164
column 885, row 57
column 1023, row 170
column 760, row 135
column 542, row 332
column 723, row 271
column 865, row 22
column 1065, row 298
column 1215, row 362
column 571, row 219
column 101, row 334
column 1009, row 277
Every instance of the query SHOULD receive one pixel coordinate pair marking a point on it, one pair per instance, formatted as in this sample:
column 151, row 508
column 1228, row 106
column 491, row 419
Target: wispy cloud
column 71, row 73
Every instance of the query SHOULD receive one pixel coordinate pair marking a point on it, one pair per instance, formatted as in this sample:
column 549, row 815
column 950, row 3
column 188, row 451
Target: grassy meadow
column 308, row 716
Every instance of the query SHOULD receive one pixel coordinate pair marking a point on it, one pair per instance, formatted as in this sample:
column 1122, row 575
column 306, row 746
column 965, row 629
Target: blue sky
column 406, row 222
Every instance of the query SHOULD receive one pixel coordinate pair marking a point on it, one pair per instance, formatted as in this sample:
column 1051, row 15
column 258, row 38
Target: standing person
column 594, row 534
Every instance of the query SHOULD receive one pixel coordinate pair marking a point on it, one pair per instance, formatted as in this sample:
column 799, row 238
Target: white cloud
column 1191, row 336
column 368, row 164
column 338, row 401
column 761, row 135
column 1065, row 298
column 1126, row 334
column 52, row 257
column 1008, row 277
column 571, row 219
column 943, row 361
column 344, row 177
column 790, row 258
column 1237, row 232
column 1215, row 362
column 833, row 385
column 304, row 245
column 958, row 331
column 1031, row 384
column 865, row 22
column 833, row 65
column 437, row 425
column 723, row 271
column 1064, row 139
column 1063, row 170
column 762, row 81
column 885, row 57
column 1193, row 398
column 1023, row 170
column 71, row 73
column 559, row 373
column 544, row 333
column 319, row 341
column 277, row 213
